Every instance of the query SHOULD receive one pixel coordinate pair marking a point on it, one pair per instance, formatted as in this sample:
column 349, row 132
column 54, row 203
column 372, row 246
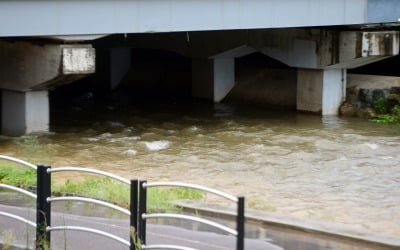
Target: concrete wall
column 372, row 81
column 266, row 86
column 203, row 78
column 120, row 64
column 309, row 94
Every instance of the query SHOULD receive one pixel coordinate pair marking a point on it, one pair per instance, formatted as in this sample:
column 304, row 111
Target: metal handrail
column 160, row 246
column 19, row 161
column 20, row 190
column 194, row 186
column 191, row 218
column 89, row 170
column 90, row 200
column 19, row 218
column 89, row 230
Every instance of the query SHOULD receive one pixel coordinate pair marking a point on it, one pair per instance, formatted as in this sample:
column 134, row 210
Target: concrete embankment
column 294, row 233
column 364, row 91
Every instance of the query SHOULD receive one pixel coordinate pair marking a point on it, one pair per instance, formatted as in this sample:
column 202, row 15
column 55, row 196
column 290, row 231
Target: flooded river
column 329, row 169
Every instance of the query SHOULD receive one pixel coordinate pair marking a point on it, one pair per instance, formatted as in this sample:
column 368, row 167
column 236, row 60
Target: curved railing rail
column 191, row 218
column 89, row 200
column 19, row 161
column 137, row 211
column 89, row 230
column 89, row 170
column 143, row 216
column 18, row 218
column 19, row 190
column 192, row 186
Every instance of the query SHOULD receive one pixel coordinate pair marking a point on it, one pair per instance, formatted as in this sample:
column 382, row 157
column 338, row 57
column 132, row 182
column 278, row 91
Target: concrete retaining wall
column 266, row 86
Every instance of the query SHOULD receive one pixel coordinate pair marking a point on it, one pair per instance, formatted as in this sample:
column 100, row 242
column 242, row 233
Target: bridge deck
column 72, row 17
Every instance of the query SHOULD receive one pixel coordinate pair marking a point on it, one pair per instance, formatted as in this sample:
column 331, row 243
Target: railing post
column 134, row 215
column 142, row 210
column 43, row 208
column 240, row 221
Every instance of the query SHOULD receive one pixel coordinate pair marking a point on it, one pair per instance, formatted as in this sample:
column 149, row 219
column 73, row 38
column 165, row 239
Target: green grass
column 393, row 117
column 159, row 199
column 16, row 176
column 387, row 119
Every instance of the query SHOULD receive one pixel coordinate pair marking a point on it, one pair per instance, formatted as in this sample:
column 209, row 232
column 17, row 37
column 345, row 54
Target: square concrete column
column 321, row 90
column 213, row 78
column 24, row 112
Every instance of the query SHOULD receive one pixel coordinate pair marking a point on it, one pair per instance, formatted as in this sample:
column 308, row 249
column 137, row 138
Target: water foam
column 157, row 145
column 130, row 152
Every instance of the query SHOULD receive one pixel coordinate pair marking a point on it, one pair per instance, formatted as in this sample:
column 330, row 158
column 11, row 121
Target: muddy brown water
column 330, row 169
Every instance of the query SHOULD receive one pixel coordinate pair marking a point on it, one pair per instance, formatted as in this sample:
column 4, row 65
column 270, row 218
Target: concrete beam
column 26, row 66
column 319, row 49
column 27, row 71
column 24, row 112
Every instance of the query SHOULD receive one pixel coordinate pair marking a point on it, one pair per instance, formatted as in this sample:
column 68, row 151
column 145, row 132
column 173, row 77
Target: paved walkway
column 22, row 235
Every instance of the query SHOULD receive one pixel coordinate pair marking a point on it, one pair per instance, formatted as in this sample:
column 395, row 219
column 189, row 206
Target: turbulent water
column 331, row 169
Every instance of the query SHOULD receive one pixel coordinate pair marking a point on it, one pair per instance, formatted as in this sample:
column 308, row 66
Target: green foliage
column 101, row 188
column 381, row 105
column 391, row 118
column 138, row 243
column 160, row 199
column 388, row 118
column 41, row 241
column 396, row 110
column 8, row 238
column 16, row 176
column 387, row 115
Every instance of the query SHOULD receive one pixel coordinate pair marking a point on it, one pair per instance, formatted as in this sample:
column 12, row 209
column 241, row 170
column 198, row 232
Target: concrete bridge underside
column 321, row 56
column 212, row 33
column 85, row 17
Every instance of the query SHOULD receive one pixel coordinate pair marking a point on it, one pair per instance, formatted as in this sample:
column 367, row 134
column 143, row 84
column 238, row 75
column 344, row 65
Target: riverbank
column 373, row 97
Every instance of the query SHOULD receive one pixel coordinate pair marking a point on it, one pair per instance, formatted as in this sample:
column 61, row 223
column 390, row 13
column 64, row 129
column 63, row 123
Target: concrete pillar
column 120, row 64
column 321, row 90
column 213, row 78
column 24, row 112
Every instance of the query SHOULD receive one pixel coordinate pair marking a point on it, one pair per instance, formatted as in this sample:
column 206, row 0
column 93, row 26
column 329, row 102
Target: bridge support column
column 27, row 71
column 120, row 64
column 213, row 78
column 24, row 112
column 321, row 90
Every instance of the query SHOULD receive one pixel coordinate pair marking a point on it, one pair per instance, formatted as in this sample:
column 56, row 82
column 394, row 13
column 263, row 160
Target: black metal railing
column 137, row 210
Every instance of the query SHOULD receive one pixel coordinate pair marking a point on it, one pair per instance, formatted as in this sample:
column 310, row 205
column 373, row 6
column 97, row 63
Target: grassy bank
column 100, row 188
column 387, row 113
